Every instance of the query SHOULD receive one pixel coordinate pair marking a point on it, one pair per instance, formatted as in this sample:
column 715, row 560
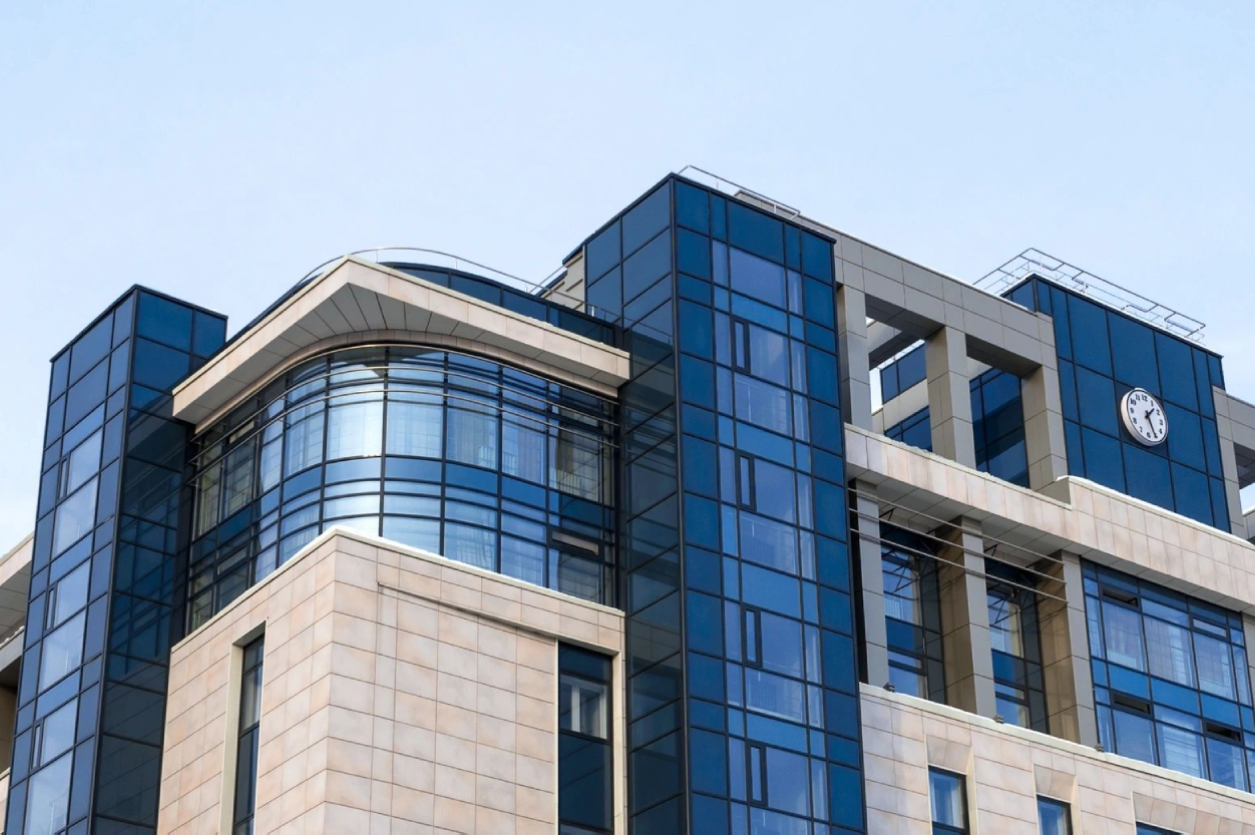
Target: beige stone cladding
column 402, row 693
column 1007, row 768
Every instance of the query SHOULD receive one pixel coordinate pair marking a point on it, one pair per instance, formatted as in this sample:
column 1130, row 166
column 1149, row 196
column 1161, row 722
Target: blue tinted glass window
column 816, row 256
column 646, row 219
column 1193, row 496
column 157, row 366
column 646, row 266
column 1103, row 462
column 210, row 333
column 603, row 251
column 165, row 321
column 1092, row 349
column 692, row 254
column 91, row 348
column 1185, row 436
column 1133, row 353
column 757, row 278
column 1097, row 397
column 692, row 207
column 756, row 232
column 1149, row 477
column 1176, row 371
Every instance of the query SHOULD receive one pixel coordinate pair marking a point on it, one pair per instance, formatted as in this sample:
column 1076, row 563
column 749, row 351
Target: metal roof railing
column 726, row 186
column 1035, row 262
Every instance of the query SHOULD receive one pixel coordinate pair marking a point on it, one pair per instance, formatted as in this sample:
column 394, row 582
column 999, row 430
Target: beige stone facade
column 402, row 693
column 1007, row 768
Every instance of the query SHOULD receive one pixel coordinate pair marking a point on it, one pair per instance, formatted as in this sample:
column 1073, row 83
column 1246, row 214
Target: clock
column 1144, row 417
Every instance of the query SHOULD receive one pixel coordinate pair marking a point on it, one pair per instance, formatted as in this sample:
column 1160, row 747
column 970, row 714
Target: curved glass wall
column 456, row 454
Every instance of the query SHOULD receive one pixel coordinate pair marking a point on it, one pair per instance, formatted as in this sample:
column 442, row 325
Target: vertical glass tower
column 742, row 681
column 105, row 574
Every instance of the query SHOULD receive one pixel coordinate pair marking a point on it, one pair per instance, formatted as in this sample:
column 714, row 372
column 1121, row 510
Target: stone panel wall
column 402, row 693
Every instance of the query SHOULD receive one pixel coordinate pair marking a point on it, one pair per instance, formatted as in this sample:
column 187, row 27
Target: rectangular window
column 949, row 802
column 1054, row 817
column 1171, row 679
column 249, row 739
column 585, row 761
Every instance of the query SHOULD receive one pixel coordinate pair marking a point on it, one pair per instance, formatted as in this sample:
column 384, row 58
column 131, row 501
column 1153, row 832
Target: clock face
column 1144, row 417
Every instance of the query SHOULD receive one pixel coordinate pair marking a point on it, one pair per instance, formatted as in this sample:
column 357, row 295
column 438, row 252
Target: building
column 736, row 524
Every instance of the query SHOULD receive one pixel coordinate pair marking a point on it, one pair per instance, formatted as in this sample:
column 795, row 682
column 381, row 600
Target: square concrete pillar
column 1065, row 652
column 966, row 648
column 874, row 648
column 856, row 386
column 1044, row 439
column 950, row 396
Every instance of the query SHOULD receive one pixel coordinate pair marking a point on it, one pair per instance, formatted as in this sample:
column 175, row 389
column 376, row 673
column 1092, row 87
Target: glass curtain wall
column 997, row 417
column 1171, row 683
column 740, row 635
column 1015, row 638
column 103, row 572
column 448, row 452
column 1116, row 354
column 912, row 614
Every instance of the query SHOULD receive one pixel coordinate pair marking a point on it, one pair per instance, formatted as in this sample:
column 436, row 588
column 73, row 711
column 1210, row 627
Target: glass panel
column 1215, row 666
column 1168, row 646
column 949, row 806
column 582, row 706
column 62, row 651
column 304, row 439
column 57, row 734
column 473, row 435
column 762, row 404
column 1054, row 817
column 83, row 463
column 71, row 593
column 1005, row 626
column 48, row 799
column 415, row 428
column 75, row 517
column 1179, row 750
column 1123, row 632
column 355, row 430
column 1135, row 736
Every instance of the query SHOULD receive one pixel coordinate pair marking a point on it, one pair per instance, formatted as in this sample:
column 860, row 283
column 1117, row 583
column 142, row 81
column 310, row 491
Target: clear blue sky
column 216, row 151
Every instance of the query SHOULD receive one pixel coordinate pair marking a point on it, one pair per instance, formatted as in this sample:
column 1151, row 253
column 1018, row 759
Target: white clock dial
column 1144, row 417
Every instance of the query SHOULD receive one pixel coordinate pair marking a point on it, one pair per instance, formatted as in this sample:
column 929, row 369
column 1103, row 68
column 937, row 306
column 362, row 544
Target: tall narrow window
column 912, row 615
column 250, row 734
column 949, row 802
column 1054, row 817
column 584, row 756
column 1016, row 643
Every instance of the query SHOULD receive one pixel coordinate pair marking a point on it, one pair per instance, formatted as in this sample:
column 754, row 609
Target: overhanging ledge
column 358, row 297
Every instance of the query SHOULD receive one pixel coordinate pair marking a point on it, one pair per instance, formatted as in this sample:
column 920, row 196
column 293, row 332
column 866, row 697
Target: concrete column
column 856, row 387
column 1065, row 653
column 965, row 643
column 950, row 396
column 1229, row 465
column 1044, row 438
column 874, row 648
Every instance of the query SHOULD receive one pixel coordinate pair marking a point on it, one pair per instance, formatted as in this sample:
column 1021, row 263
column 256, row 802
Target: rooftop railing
column 723, row 184
column 1035, row 262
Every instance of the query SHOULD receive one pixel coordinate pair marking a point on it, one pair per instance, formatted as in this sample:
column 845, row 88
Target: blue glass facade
column 997, row 417
column 740, row 635
column 1102, row 355
column 105, row 571
column 1171, row 683
column 1118, row 353
column 436, row 449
